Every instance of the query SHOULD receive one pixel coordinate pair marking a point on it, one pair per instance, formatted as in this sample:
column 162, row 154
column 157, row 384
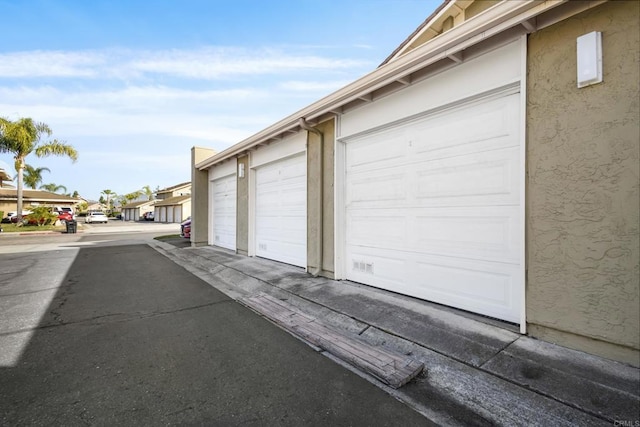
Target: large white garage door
column 178, row 214
column 224, row 212
column 281, row 211
column 169, row 213
column 433, row 208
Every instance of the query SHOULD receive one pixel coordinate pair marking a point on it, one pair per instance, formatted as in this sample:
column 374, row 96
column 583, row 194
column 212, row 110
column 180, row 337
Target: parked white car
column 96, row 217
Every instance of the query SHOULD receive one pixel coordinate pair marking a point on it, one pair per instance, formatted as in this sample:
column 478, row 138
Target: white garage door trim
column 223, row 212
column 280, row 217
column 500, row 267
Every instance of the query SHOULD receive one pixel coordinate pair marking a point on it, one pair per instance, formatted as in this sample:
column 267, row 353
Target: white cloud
column 139, row 160
column 51, row 63
column 70, row 123
column 144, row 97
column 204, row 63
column 134, row 113
column 218, row 63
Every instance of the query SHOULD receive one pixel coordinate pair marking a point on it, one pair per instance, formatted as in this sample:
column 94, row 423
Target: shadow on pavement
column 132, row 339
column 178, row 242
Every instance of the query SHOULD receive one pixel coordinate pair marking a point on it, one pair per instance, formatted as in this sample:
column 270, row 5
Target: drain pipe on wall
column 319, row 246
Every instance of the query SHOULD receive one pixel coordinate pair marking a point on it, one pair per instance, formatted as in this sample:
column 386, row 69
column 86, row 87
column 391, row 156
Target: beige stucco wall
column 7, row 207
column 186, row 210
column 242, row 209
column 583, row 187
column 199, row 197
column 314, row 176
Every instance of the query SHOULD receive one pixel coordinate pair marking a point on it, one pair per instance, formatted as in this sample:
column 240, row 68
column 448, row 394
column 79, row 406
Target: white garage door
column 178, row 214
column 163, row 214
column 224, row 211
column 281, row 207
column 433, row 208
column 170, row 213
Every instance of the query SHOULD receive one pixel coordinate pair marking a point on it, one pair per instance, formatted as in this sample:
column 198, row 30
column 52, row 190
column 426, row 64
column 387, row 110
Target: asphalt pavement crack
column 126, row 317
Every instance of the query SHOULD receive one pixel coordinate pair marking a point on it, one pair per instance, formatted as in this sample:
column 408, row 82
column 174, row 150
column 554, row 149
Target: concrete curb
column 478, row 373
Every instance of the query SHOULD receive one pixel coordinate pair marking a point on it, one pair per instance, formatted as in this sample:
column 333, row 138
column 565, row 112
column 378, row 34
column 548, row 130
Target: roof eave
column 494, row 21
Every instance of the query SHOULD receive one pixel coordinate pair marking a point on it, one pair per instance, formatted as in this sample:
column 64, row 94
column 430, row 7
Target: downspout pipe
column 320, row 199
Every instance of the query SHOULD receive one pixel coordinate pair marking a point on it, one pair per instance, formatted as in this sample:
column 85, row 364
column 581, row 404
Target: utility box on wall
column 589, row 51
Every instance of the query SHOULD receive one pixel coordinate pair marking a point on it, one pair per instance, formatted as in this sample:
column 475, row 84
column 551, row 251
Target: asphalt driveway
column 132, row 339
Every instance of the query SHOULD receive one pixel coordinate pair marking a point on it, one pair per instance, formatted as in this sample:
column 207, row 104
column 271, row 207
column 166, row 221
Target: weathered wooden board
column 389, row 367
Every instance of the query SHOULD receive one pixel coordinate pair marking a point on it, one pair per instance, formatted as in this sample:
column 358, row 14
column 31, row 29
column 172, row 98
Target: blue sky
column 133, row 85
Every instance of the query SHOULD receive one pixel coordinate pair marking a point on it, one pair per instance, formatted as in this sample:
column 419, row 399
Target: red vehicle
column 185, row 228
column 65, row 216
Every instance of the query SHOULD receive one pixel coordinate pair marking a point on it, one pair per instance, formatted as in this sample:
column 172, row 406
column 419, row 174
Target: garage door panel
column 471, row 285
column 457, row 232
column 292, row 170
column 280, row 219
column 268, row 199
column 473, row 288
column 490, row 174
column 490, row 238
column 486, row 126
column 474, row 179
column 392, row 144
column 294, row 197
column 438, row 215
column 377, row 185
column 377, row 229
column 383, row 268
column 224, row 211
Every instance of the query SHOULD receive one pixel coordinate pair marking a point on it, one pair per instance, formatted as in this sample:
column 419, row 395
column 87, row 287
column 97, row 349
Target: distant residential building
column 174, row 203
column 33, row 198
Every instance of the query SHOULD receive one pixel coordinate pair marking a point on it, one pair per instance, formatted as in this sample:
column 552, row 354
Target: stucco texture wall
column 583, row 197
column 199, row 197
column 242, row 210
column 315, row 176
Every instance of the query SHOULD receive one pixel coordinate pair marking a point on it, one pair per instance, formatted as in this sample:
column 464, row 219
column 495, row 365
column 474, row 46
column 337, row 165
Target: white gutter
column 493, row 21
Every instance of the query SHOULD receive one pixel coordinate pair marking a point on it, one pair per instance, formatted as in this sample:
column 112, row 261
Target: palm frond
column 56, row 148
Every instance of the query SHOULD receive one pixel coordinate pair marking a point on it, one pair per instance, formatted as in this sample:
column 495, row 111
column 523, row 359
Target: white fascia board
column 495, row 20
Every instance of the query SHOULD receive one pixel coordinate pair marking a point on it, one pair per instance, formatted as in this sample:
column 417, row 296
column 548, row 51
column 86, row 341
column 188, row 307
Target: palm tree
column 23, row 137
column 146, row 190
column 33, row 176
column 109, row 195
column 53, row 187
column 130, row 197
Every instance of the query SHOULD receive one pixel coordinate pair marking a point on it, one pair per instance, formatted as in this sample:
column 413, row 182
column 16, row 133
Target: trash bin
column 72, row 226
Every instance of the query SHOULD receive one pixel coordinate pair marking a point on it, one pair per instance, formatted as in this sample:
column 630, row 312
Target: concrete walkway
column 477, row 371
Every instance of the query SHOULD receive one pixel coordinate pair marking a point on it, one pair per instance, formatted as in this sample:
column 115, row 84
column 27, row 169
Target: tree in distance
column 53, row 188
column 33, row 176
column 23, row 137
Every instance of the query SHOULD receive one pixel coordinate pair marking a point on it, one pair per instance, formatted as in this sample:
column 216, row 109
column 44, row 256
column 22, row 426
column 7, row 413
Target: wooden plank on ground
column 389, row 367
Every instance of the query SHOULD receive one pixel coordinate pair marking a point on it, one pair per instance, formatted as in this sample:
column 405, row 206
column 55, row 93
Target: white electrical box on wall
column 589, row 49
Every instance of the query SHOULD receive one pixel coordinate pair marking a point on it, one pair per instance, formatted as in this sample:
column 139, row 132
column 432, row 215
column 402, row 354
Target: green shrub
column 40, row 215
